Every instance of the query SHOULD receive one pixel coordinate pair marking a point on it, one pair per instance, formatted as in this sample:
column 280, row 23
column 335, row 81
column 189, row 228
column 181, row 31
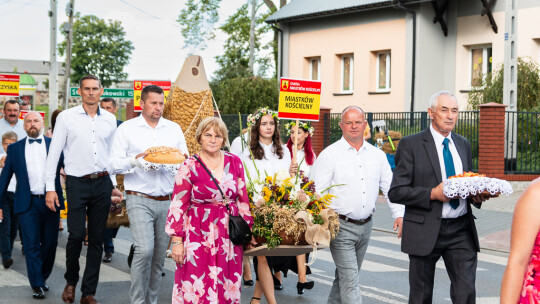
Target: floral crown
column 252, row 118
column 303, row 125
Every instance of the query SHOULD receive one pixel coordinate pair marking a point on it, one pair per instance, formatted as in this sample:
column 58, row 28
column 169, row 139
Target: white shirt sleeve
column 58, row 143
column 119, row 162
column 322, row 172
column 398, row 210
column 182, row 142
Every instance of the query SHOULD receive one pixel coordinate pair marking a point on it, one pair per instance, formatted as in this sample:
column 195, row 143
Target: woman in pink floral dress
column 209, row 265
column 521, row 281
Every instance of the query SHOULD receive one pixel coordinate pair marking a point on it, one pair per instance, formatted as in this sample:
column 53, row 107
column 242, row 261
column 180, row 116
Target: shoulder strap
column 213, row 179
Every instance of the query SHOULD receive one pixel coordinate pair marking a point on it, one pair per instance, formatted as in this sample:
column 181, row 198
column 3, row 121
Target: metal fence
column 522, row 148
column 408, row 123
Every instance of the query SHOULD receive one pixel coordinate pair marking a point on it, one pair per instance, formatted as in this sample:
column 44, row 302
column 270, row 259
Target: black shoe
column 301, row 286
column 130, row 256
column 108, row 257
column 45, row 287
column 7, row 263
column 277, row 283
column 248, row 282
column 38, row 293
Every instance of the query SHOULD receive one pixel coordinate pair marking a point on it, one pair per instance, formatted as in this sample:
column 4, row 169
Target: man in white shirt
column 358, row 170
column 26, row 159
column 84, row 134
column 11, row 121
column 148, row 193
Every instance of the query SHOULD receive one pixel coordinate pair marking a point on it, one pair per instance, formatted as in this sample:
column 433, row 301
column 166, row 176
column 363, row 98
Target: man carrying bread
column 84, row 134
column 148, row 194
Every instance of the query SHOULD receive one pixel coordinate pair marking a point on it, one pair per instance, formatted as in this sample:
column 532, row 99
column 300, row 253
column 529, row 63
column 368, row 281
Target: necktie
column 34, row 140
column 449, row 166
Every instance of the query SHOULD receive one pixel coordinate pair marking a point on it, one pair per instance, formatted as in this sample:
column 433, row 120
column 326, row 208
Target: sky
column 150, row 25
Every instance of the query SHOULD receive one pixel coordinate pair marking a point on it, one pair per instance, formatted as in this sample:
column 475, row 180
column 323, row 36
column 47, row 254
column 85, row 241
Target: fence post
column 130, row 110
column 322, row 130
column 491, row 140
column 423, row 120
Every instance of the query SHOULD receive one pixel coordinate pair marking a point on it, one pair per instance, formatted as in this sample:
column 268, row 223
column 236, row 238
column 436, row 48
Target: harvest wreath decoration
column 288, row 211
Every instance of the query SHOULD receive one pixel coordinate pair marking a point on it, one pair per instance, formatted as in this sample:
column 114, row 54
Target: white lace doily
column 147, row 166
column 467, row 186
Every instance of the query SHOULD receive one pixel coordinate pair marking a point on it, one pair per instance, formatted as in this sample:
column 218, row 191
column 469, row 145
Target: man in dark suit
column 435, row 225
column 39, row 225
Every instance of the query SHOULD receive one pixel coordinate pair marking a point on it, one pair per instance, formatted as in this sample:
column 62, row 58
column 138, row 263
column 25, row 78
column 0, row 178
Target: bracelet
column 176, row 243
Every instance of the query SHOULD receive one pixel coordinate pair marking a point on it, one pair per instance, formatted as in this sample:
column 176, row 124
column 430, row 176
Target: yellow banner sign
column 299, row 99
column 138, row 85
column 9, row 85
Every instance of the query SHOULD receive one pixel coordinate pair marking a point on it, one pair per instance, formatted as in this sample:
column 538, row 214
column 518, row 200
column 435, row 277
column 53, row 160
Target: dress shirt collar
column 438, row 137
column 347, row 146
column 39, row 137
column 83, row 111
column 19, row 121
column 141, row 122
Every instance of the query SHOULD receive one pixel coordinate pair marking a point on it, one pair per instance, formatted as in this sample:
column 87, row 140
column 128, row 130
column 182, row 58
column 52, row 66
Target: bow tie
column 34, row 140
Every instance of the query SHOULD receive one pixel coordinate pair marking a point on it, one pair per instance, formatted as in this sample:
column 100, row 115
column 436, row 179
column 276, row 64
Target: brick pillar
column 491, row 140
column 130, row 113
column 317, row 141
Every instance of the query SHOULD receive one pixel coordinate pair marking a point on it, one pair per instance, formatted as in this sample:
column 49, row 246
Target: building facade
column 364, row 51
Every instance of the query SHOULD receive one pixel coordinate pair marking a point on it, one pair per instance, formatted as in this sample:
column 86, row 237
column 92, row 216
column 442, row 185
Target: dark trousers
column 110, row 233
column 8, row 227
column 40, row 233
column 456, row 246
column 92, row 198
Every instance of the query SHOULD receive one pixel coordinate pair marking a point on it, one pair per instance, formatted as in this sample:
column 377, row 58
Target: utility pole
column 53, row 69
column 510, row 81
column 252, row 38
column 70, row 9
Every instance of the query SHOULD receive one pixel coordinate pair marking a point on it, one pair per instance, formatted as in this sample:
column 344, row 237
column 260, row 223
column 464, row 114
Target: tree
column 198, row 23
column 235, row 60
column 245, row 94
column 528, row 87
column 99, row 48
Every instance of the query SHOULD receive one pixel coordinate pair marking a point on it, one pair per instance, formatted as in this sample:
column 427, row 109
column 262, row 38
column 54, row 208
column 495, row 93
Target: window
column 347, row 73
column 383, row 71
column 315, row 68
column 481, row 64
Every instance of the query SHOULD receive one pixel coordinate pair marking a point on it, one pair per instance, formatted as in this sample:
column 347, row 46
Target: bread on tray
column 164, row 155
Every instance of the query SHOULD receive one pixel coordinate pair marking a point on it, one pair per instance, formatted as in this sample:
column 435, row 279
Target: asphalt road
column 384, row 277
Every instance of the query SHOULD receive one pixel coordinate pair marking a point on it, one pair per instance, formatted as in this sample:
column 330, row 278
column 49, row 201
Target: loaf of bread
column 164, row 155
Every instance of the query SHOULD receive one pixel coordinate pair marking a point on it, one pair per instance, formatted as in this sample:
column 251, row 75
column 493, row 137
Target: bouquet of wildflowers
column 276, row 201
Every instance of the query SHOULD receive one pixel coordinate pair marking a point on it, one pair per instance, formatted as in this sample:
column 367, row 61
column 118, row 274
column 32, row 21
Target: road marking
column 9, row 277
column 482, row 256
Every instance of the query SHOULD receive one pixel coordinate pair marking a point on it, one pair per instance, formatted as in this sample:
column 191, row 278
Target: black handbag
column 239, row 231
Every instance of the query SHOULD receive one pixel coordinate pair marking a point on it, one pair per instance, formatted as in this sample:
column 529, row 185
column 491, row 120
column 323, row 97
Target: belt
column 156, row 198
column 42, row 196
column 96, row 175
column 357, row 222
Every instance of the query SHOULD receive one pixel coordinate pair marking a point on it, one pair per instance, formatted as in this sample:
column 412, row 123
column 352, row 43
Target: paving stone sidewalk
column 493, row 220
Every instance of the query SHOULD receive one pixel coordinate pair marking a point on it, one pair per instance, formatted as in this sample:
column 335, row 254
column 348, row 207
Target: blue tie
column 449, row 166
column 34, row 140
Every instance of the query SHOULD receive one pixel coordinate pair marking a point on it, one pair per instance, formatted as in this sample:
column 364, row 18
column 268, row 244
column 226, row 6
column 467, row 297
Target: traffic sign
column 114, row 93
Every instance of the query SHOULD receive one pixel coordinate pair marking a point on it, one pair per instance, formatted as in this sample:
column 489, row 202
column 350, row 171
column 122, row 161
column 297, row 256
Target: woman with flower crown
column 266, row 156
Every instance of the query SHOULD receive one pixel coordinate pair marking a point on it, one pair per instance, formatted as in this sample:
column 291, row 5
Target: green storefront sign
column 114, row 93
